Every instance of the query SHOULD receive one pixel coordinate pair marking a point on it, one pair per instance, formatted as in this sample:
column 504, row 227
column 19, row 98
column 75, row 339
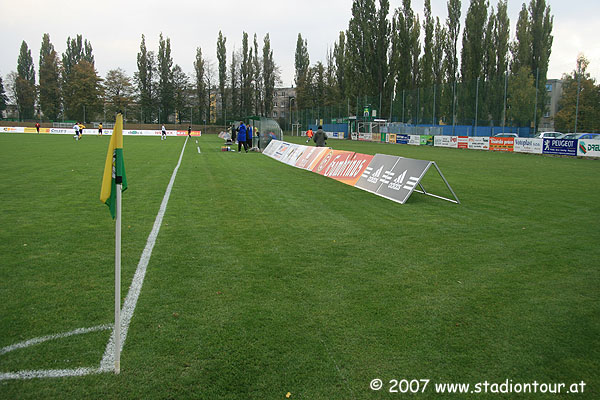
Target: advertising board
column 403, row 179
column 414, row 140
column 377, row 172
column 588, row 148
column 463, row 142
column 502, row 144
column 479, row 143
column 446, row 141
column 349, row 171
column 402, row 138
column 561, row 147
column 310, row 156
column 527, row 145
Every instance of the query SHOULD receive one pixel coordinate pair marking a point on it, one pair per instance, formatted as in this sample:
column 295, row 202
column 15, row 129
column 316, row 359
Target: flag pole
column 118, row 180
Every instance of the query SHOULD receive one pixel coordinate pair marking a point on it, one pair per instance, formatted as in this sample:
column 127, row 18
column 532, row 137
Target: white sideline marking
column 107, row 362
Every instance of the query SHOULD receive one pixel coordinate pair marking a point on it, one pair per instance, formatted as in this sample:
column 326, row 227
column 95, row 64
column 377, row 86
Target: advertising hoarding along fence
column 588, row 148
column 524, row 145
column 502, row 144
column 107, row 132
column 561, row 147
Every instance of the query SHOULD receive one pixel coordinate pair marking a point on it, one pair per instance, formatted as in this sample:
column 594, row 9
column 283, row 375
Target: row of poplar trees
column 244, row 87
column 65, row 86
column 69, row 87
column 403, row 62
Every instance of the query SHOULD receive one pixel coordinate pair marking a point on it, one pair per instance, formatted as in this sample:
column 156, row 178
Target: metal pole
column 403, row 91
column 537, row 80
column 434, row 93
column 476, row 105
column 577, row 103
column 505, row 89
column 453, row 107
column 118, row 281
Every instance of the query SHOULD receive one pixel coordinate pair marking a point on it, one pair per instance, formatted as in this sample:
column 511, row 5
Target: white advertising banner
column 588, row 148
column 414, row 140
column 335, row 135
column 446, row 141
column 527, row 145
column 293, row 154
column 281, row 150
column 94, row 131
column 365, row 136
column 479, row 143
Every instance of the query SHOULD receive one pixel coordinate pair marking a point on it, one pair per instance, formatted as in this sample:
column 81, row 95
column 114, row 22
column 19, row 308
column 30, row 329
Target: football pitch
column 272, row 282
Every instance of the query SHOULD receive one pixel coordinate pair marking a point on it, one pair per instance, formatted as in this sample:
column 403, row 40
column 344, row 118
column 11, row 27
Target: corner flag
column 114, row 168
column 114, row 183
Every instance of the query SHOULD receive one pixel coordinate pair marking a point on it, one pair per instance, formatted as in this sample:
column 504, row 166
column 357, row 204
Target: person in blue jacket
column 249, row 136
column 241, row 137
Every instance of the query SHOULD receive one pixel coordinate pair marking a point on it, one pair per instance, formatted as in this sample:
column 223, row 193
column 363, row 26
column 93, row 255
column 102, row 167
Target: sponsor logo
column 397, row 183
column 375, row 177
column 324, row 161
column 385, row 179
column 582, row 147
column 345, row 168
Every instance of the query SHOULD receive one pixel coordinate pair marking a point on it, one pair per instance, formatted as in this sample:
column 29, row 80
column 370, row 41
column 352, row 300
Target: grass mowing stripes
column 267, row 279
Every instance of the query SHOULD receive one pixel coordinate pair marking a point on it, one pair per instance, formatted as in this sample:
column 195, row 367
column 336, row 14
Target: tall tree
column 438, row 69
column 521, row 97
column 234, row 86
column 269, row 74
column 361, row 41
column 380, row 60
column 222, row 58
column 521, row 47
column 541, row 23
column 3, row 97
column 181, row 94
column 144, row 77
column 427, row 77
column 118, row 92
column 25, row 84
column 586, row 108
column 77, row 50
column 49, row 80
column 302, row 65
column 85, row 103
column 472, row 59
column 166, row 89
column 211, row 90
column 246, row 76
column 339, row 53
column 501, row 46
column 200, row 86
column 406, row 51
column 257, row 87
column 451, row 59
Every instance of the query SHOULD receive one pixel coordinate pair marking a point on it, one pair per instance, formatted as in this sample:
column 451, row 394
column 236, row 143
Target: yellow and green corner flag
column 114, row 168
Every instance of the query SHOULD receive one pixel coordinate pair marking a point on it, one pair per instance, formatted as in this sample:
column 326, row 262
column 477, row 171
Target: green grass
column 267, row 279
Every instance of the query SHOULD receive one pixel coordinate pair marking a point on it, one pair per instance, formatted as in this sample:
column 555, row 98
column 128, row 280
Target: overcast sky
column 114, row 28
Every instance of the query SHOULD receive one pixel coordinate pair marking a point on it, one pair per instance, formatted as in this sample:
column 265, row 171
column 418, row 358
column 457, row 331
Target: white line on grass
column 107, row 362
column 43, row 339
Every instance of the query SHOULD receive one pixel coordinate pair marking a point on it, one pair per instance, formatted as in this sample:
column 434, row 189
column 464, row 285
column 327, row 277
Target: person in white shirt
column 76, row 128
column 164, row 133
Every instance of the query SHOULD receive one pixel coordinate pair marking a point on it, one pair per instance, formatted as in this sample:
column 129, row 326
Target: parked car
column 513, row 135
column 549, row 135
column 581, row 136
